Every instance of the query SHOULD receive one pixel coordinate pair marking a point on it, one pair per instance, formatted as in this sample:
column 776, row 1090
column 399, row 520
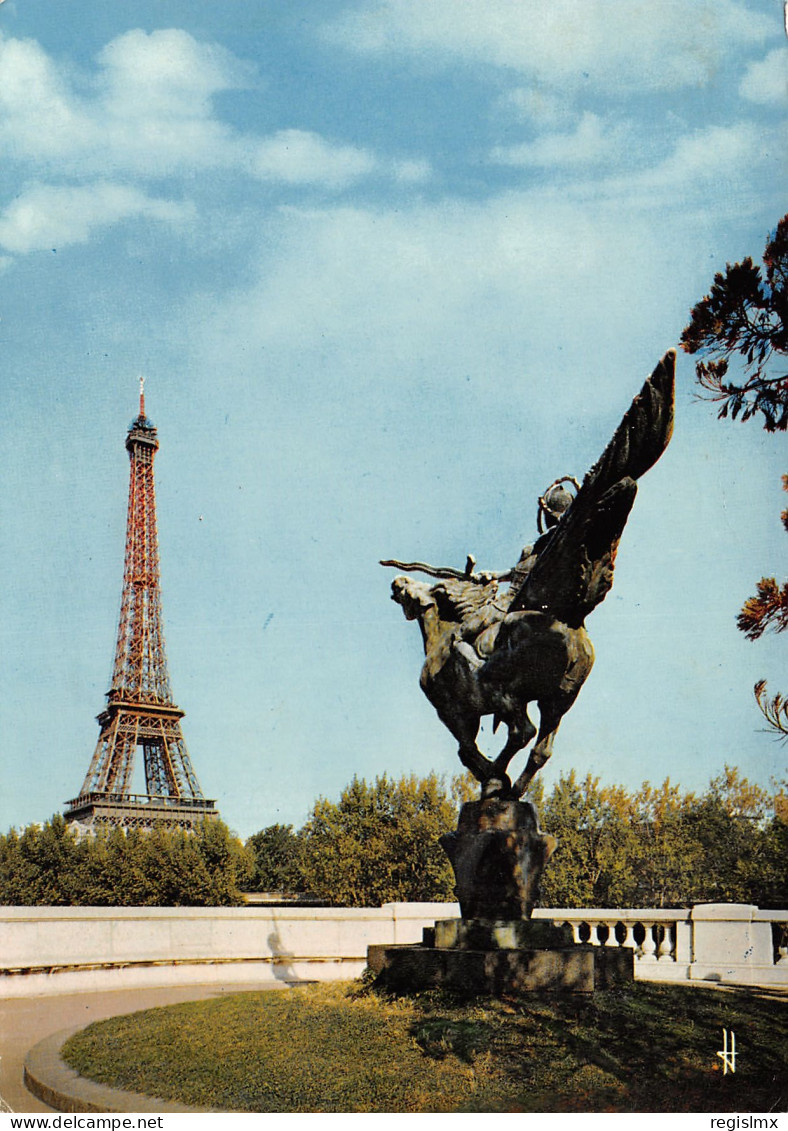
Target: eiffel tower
column 140, row 710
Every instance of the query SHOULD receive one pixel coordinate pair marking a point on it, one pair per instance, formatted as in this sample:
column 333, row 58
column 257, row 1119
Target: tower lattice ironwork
column 140, row 710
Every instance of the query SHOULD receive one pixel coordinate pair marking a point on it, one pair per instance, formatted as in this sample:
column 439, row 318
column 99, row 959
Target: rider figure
column 553, row 504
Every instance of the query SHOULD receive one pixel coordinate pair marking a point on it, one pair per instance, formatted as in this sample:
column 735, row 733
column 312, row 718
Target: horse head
column 415, row 597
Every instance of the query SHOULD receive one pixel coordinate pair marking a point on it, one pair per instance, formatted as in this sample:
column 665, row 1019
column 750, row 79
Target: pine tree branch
column 774, row 710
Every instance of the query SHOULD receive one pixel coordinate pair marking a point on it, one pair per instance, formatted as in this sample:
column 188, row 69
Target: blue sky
column 389, row 268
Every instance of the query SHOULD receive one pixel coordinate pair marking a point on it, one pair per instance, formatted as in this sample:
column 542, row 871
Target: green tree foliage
column 593, row 862
column 277, row 859
column 655, row 847
column 661, row 847
column 745, row 316
column 379, row 843
column 47, row 865
column 734, row 826
column 668, row 861
column 658, row 846
column 617, row 849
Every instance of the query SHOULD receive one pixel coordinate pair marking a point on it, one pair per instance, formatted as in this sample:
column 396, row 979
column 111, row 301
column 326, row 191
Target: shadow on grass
column 644, row 1048
column 334, row 1048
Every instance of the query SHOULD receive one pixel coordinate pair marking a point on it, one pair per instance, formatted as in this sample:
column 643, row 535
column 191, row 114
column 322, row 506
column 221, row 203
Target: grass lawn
column 346, row 1048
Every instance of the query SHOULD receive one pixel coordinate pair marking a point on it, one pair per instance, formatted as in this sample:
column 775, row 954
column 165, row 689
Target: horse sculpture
column 490, row 652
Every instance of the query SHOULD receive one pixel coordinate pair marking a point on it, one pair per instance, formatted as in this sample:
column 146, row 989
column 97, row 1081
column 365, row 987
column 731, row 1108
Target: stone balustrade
column 661, row 939
column 73, row 949
column 721, row 942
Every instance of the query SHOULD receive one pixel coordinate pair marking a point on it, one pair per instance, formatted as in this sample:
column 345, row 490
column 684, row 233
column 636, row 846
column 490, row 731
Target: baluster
column 629, row 937
column 666, row 948
column 649, row 946
column 577, row 929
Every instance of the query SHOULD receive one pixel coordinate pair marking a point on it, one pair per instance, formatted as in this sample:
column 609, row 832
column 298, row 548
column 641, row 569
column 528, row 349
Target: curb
column 51, row 1080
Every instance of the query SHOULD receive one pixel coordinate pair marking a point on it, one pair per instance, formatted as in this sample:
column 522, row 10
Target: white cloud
column 705, row 160
column 150, row 114
column 39, row 116
column 300, row 157
column 720, row 168
column 167, row 72
column 411, row 172
column 48, row 216
column 591, row 143
column 437, row 288
column 767, row 81
column 537, row 105
column 476, row 287
column 631, row 44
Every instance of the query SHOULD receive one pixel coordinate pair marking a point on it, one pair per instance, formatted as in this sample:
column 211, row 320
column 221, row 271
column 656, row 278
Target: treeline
column 377, row 844
column 656, row 847
column 163, row 868
column 380, row 843
column 663, row 847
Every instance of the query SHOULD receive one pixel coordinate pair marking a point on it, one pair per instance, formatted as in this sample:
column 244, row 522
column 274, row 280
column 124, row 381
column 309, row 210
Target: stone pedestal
column 498, row 853
column 494, row 957
column 485, row 934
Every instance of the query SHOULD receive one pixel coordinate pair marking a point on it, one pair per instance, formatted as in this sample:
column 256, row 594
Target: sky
column 390, row 267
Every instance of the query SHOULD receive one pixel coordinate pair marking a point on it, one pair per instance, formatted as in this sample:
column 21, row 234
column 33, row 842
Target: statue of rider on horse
column 493, row 651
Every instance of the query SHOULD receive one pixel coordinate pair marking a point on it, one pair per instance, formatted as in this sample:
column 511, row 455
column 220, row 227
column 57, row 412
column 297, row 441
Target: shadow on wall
column 282, row 959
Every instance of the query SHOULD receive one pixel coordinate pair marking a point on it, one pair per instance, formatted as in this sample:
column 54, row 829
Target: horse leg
column 465, row 729
column 494, row 781
column 521, row 731
column 551, row 713
column 483, row 770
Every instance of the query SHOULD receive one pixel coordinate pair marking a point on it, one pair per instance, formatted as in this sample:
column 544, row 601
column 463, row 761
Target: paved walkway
column 26, row 1021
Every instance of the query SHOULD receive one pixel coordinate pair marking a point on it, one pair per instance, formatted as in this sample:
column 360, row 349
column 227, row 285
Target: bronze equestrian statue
column 493, row 652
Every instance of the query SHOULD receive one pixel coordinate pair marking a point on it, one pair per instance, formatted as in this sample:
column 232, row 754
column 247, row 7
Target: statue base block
column 497, row 934
column 498, row 853
column 479, row 957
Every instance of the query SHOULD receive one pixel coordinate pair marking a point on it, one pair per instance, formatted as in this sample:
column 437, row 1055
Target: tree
column 768, row 611
column 773, row 889
column 730, row 826
column 774, row 710
column 669, row 861
column 660, row 846
column 593, row 863
column 277, row 859
column 746, row 314
column 165, row 867
column 379, row 842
